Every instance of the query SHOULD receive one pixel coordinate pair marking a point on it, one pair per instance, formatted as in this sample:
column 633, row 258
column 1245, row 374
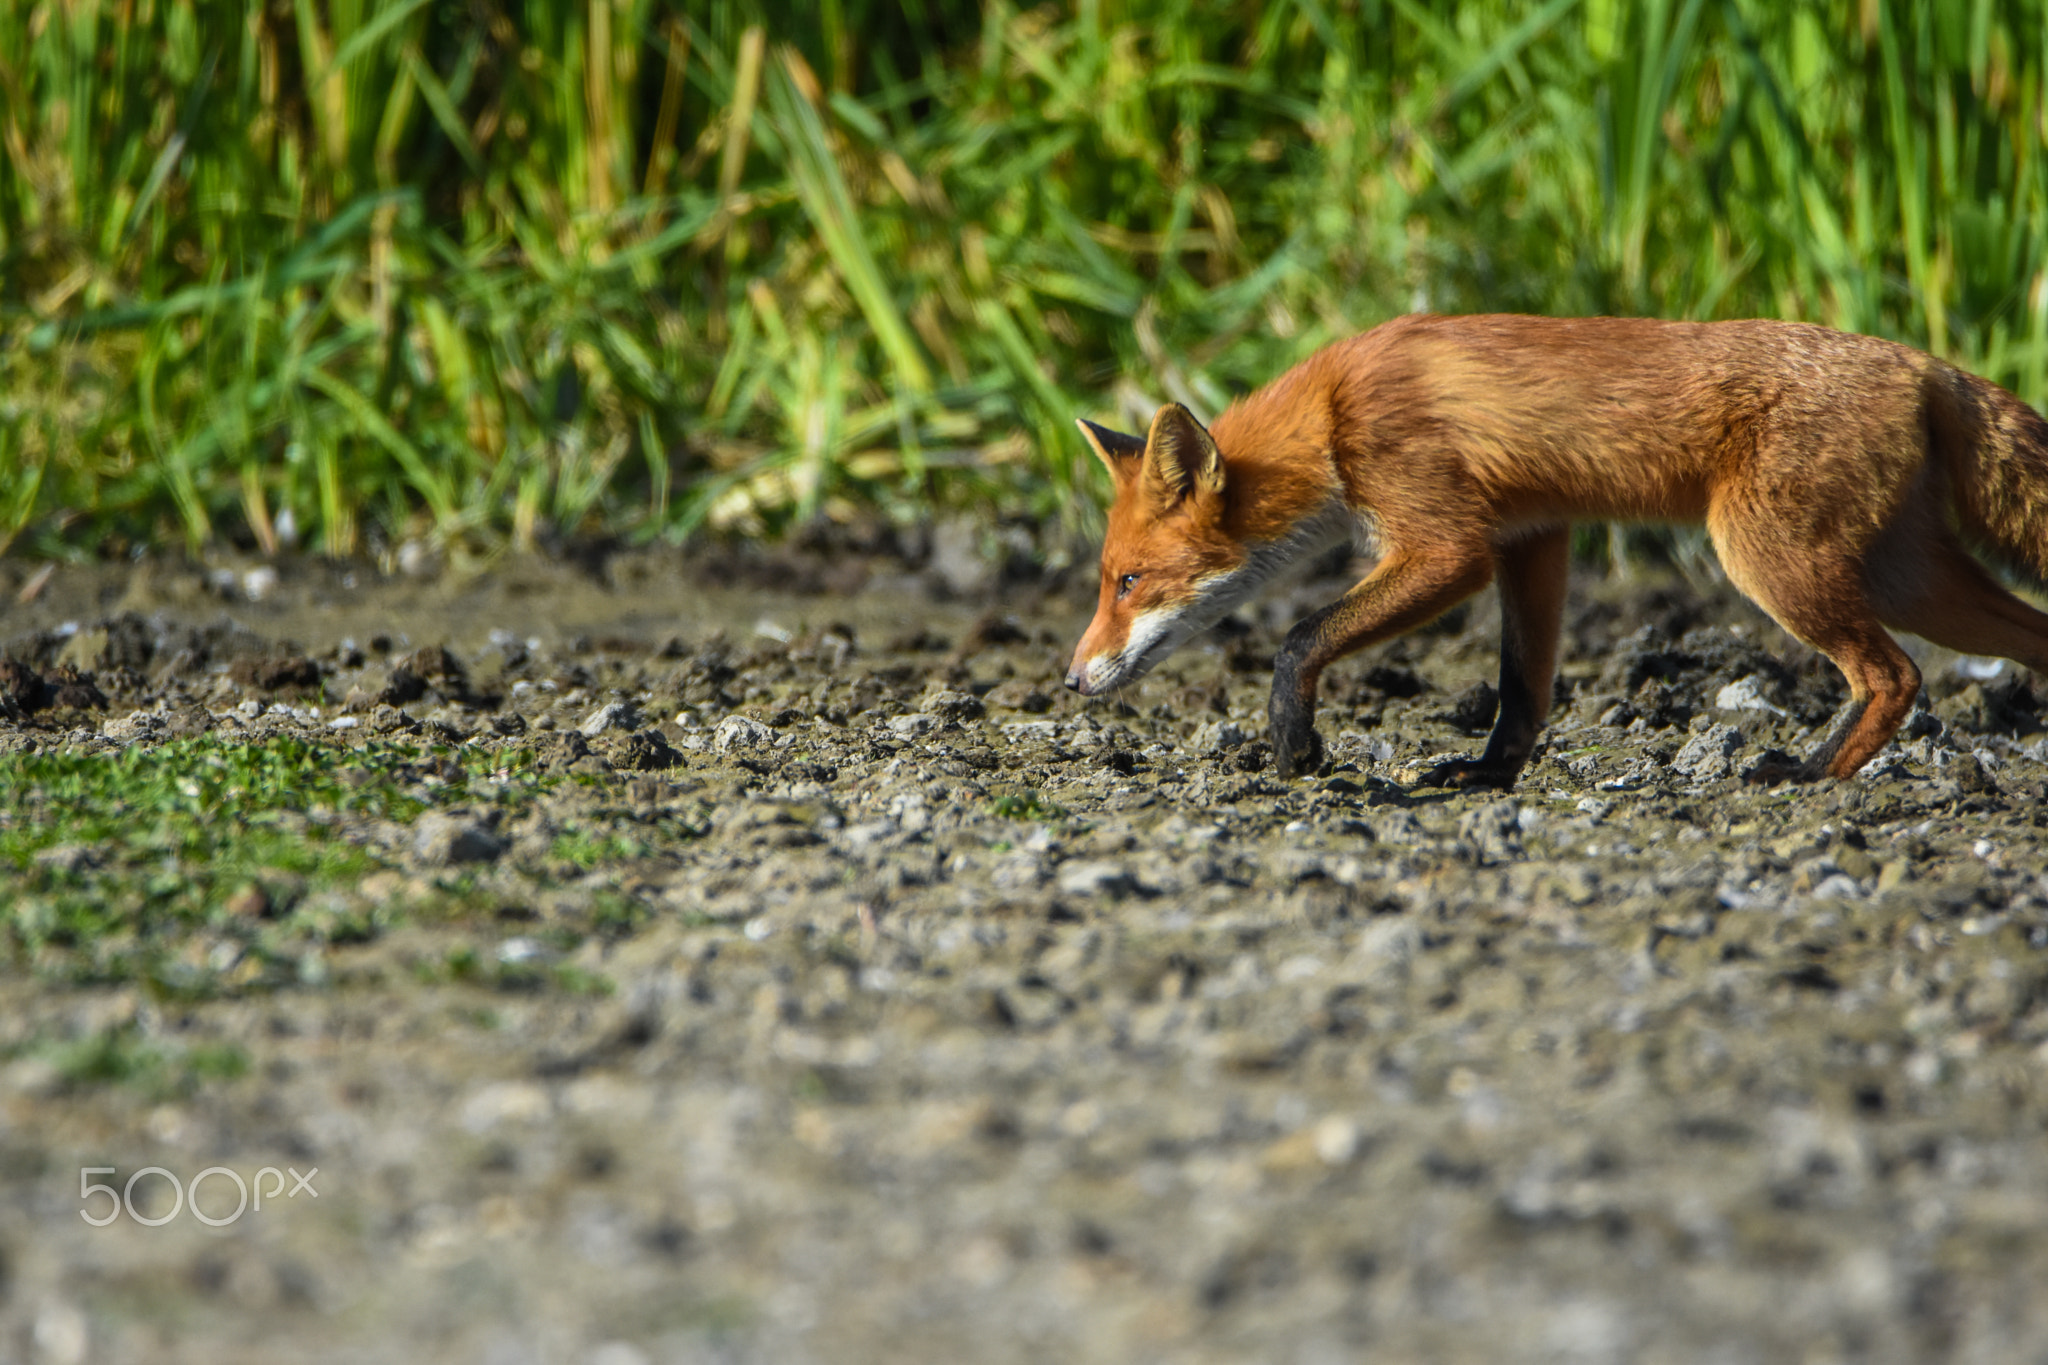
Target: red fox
column 1839, row 476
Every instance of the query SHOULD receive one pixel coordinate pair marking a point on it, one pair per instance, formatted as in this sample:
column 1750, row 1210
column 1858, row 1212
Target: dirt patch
column 836, row 986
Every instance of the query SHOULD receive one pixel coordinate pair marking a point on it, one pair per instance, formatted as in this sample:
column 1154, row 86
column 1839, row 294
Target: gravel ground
column 903, row 1007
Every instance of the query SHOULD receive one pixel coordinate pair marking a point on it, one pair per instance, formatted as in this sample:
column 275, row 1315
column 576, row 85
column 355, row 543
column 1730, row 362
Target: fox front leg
column 1297, row 748
column 1406, row 590
column 1531, row 571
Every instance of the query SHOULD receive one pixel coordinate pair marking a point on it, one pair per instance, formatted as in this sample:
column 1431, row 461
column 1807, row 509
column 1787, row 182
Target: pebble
column 1094, row 877
column 1336, row 1140
column 614, row 715
column 1709, row 753
column 442, row 840
column 1745, row 694
column 954, row 706
column 1217, row 736
column 741, row 732
column 504, row 1102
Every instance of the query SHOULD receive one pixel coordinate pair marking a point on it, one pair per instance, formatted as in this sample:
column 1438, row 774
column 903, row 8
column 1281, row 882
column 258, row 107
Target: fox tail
column 1995, row 450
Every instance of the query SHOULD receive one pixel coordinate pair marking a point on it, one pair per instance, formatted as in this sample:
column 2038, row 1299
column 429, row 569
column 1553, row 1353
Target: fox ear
column 1181, row 457
column 1118, row 452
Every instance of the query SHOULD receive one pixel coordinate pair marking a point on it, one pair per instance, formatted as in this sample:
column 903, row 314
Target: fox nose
column 1074, row 680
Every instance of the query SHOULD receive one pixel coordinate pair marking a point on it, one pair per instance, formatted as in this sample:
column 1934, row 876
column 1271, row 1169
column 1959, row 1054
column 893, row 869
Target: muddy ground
column 849, row 992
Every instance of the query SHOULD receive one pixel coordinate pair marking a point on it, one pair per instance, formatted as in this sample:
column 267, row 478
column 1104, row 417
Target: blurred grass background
column 336, row 274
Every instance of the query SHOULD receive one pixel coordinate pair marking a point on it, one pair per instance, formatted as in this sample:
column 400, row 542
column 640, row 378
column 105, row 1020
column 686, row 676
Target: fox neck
column 1320, row 529
column 1287, row 502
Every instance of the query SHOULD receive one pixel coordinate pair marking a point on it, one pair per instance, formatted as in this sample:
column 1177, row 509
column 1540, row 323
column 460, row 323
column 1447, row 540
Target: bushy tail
column 1995, row 450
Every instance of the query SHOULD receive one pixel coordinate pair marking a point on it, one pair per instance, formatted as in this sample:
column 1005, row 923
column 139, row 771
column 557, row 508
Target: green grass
column 337, row 275
column 586, row 849
column 143, row 853
column 1025, row 805
column 121, row 1056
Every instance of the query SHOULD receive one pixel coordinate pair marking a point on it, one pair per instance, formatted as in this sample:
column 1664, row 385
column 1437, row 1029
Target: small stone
column 436, row 664
column 516, row 952
column 1214, row 737
column 443, row 841
column 1494, row 830
column 405, row 686
column 1028, row 1008
column 560, row 749
column 387, row 719
column 1019, row 871
column 70, row 687
column 1018, row 695
column 1375, row 749
column 22, row 690
column 1972, row 775
column 911, row 812
column 250, row 902
column 954, row 706
column 1095, row 877
column 1709, row 753
column 505, row 1102
column 417, row 559
column 1745, row 694
column 1336, row 1140
column 61, row 1333
column 1294, row 865
column 614, row 715
column 645, row 751
column 1473, row 709
column 1978, row 668
column 380, row 888
column 35, row 1077
column 137, row 727
column 910, row 727
column 741, row 732
column 867, row 833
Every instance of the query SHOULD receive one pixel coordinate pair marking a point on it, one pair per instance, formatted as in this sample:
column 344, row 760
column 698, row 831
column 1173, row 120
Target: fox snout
column 1079, row 670
column 1119, row 650
column 1098, row 654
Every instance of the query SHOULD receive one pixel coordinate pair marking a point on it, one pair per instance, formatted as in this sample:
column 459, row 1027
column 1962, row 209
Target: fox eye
column 1123, row 585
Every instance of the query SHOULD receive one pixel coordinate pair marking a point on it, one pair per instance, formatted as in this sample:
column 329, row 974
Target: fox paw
column 1297, row 756
column 1777, row 766
column 1463, row 773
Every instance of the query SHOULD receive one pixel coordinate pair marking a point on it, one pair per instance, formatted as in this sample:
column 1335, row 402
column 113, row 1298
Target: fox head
column 1168, row 567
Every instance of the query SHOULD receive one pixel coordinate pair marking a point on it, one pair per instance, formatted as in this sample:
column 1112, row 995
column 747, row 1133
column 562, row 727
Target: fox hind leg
column 1532, row 571
column 1944, row 596
column 1820, row 595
